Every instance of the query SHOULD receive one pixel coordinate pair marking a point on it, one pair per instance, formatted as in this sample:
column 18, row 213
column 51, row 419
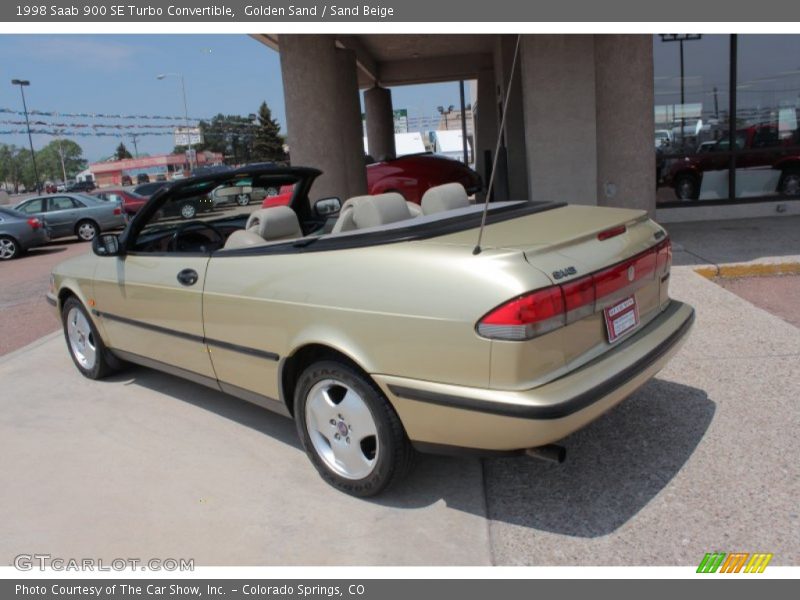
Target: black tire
column 394, row 455
column 687, row 187
column 9, row 248
column 104, row 363
column 188, row 211
column 243, row 199
column 789, row 184
column 86, row 230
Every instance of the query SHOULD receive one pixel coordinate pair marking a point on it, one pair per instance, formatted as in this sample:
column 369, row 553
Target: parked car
column 19, row 232
column 148, row 189
column 74, row 214
column 412, row 175
column 80, row 186
column 380, row 332
column 242, row 193
column 50, row 188
column 131, row 202
column 768, row 149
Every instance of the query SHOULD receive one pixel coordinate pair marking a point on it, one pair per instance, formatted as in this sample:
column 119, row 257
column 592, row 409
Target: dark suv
column 80, row 186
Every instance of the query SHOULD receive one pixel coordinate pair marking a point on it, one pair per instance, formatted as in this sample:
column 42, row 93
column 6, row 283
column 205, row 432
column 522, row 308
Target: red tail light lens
column 34, row 223
column 525, row 317
column 664, row 256
column 118, row 211
column 547, row 309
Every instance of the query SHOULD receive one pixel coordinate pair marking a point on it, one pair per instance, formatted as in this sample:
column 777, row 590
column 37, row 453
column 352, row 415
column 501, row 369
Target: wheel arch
column 304, row 355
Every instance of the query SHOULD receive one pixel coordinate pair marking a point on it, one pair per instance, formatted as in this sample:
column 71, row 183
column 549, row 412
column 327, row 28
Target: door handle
column 187, row 277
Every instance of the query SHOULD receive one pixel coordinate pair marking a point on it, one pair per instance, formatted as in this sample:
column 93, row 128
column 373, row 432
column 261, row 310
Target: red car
column 131, row 203
column 411, row 175
column 769, row 149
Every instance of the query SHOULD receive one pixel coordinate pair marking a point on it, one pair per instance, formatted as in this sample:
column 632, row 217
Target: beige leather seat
column 444, row 197
column 362, row 212
column 265, row 225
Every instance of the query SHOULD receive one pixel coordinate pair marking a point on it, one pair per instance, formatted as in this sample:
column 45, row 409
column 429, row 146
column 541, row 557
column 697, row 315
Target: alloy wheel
column 87, row 231
column 8, row 249
column 342, row 429
column 81, row 339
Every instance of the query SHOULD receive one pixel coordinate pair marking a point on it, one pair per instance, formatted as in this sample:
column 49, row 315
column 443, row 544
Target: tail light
column 538, row 312
column 34, row 223
column 118, row 211
column 613, row 232
column 664, row 256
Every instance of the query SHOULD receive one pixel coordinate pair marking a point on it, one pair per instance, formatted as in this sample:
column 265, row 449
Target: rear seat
column 444, row 197
column 265, row 225
column 362, row 212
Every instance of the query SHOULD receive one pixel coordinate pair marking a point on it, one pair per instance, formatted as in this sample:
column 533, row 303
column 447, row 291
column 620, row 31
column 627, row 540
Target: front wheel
column 349, row 430
column 188, row 211
column 85, row 346
column 243, row 199
column 86, row 230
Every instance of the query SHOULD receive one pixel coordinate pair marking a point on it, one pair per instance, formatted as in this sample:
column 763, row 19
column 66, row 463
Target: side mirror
column 106, row 244
column 327, row 206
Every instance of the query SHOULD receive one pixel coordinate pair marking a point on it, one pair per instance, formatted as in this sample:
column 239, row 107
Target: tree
column 61, row 159
column 122, row 152
column 268, row 141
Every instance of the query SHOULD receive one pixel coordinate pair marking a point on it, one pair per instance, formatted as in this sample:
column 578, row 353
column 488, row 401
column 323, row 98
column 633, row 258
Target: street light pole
column 22, row 83
column 185, row 115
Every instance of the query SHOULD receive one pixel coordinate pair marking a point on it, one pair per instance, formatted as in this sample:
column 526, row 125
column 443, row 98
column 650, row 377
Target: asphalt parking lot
column 702, row 458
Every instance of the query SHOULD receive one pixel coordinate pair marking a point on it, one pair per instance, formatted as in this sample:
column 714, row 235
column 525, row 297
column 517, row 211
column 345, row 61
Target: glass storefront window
column 767, row 114
column 691, row 86
column 695, row 159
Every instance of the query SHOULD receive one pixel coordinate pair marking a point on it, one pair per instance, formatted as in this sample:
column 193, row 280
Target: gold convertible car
column 377, row 324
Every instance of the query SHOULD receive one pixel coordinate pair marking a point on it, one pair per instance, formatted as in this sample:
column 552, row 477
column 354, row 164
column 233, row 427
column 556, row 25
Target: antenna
column 477, row 249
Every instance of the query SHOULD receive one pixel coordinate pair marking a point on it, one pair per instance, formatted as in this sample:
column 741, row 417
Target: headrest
column 372, row 211
column 444, row 197
column 274, row 223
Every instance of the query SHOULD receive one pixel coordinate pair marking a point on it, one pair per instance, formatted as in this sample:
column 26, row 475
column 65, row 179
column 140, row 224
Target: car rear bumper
column 445, row 416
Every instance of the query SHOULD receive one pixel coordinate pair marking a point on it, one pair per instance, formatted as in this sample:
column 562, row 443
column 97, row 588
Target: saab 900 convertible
column 378, row 325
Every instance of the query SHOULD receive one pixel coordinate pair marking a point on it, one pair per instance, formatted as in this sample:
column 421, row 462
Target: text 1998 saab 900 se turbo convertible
column 377, row 325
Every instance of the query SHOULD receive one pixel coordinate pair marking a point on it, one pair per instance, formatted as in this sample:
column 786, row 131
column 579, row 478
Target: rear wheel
column 86, row 230
column 243, row 199
column 9, row 248
column 686, row 187
column 789, row 184
column 85, row 346
column 349, row 430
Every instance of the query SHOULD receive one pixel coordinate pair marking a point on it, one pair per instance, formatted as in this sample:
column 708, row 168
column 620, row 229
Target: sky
column 116, row 74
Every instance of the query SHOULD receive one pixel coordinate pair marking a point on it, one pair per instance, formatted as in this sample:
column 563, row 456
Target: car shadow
column 614, row 466
column 224, row 405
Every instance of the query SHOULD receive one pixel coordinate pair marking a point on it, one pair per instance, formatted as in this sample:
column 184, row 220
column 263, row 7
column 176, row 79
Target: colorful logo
column 734, row 562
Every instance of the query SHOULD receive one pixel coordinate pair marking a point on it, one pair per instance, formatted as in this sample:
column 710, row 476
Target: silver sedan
column 74, row 214
column 18, row 232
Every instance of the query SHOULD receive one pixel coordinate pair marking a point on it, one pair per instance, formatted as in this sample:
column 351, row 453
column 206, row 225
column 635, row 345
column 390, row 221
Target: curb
column 34, row 344
column 732, row 271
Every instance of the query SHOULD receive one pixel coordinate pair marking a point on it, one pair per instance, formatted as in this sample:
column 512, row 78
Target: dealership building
column 166, row 166
column 642, row 121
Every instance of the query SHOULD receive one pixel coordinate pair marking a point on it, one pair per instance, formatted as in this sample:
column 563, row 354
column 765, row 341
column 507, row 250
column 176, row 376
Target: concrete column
column 486, row 126
column 323, row 115
column 625, row 121
column 558, row 81
column 514, row 132
column 380, row 123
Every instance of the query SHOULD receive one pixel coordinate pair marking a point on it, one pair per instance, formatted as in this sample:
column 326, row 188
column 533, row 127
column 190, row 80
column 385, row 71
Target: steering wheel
column 173, row 244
